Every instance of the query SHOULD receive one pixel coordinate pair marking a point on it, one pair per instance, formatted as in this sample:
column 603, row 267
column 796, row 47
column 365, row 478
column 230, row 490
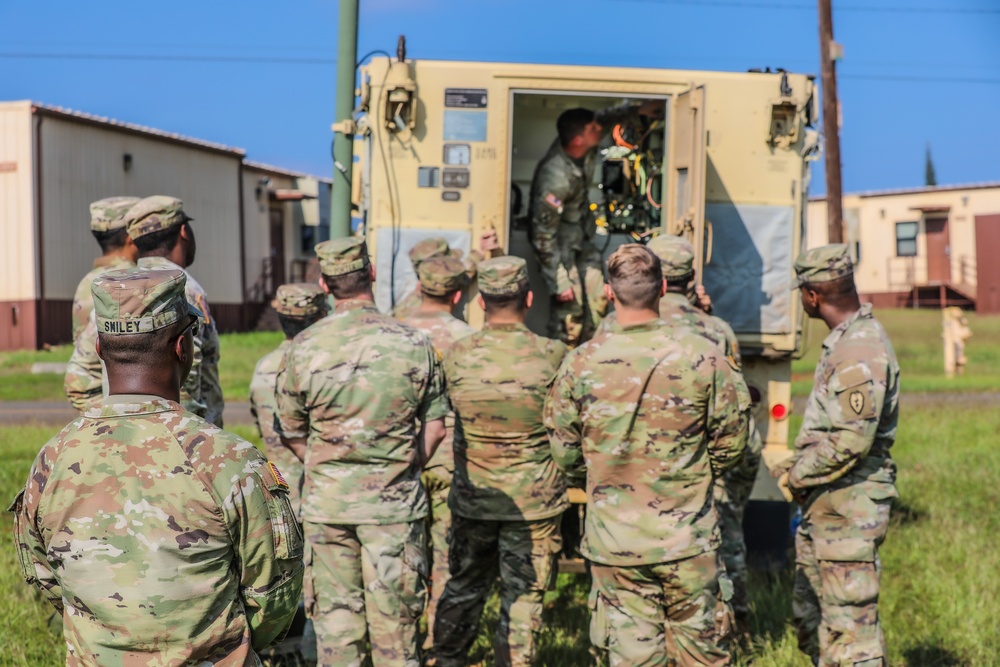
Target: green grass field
column 939, row 596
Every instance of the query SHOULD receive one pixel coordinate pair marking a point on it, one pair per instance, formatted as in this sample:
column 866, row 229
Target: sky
column 261, row 75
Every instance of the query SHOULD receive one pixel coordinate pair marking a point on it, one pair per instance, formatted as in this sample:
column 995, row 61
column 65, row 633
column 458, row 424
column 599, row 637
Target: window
column 906, row 239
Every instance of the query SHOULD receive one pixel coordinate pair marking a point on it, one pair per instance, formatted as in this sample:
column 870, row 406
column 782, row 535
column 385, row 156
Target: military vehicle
column 449, row 149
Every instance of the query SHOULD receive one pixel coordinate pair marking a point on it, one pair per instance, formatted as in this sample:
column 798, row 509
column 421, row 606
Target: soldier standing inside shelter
column 842, row 473
column 442, row 280
column 352, row 391
column 652, row 417
column 420, row 252
column 160, row 538
column 299, row 305
column 562, row 224
column 507, row 494
column 107, row 224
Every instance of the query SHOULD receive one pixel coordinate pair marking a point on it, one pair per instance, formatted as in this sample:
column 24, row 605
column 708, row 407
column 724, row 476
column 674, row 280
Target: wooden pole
column 831, row 125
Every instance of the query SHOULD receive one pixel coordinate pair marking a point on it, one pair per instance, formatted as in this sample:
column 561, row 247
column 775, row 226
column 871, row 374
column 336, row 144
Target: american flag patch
column 553, row 201
column 278, row 477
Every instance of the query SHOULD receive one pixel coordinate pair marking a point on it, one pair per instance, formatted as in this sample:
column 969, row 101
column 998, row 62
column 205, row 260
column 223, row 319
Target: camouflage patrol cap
column 676, row 255
column 108, row 214
column 440, row 276
column 434, row 247
column 154, row 214
column 299, row 300
column 134, row 301
column 503, row 275
column 823, row 264
column 340, row 256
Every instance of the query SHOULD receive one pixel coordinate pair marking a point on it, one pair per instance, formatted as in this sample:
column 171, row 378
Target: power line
column 921, row 79
column 169, row 58
column 872, row 9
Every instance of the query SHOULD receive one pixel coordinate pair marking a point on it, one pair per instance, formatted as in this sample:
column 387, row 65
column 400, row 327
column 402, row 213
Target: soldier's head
column 159, row 227
column 347, row 271
column 299, row 305
column 676, row 261
column 503, row 289
column 825, row 279
column 578, row 130
column 424, row 250
column 442, row 280
column 145, row 330
column 635, row 278
column 107, row 224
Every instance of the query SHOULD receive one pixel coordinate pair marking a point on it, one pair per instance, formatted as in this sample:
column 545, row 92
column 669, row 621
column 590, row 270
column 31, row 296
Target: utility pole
column 343, row 127
column 831, row 125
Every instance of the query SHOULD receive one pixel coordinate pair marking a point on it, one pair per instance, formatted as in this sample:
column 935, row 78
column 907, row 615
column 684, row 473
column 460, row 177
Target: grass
column 940, row 591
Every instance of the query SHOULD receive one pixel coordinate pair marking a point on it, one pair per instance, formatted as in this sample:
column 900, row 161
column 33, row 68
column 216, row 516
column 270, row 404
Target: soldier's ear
column 609, row 293
column 456, row 297
column 179, row 349
column 371, row 271
column 322, row 285
column 98, row 346
column 479, row 300
column 529, row 299
column 663, row 288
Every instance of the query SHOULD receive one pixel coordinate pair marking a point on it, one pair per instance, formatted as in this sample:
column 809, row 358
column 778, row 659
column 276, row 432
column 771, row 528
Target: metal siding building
column 54, row 162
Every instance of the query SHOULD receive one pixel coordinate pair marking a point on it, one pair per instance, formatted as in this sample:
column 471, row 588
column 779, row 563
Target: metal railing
column 263, row 287
column 903, row 273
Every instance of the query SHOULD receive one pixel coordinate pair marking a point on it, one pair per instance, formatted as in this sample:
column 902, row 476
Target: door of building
column 277, row 234
column 987, row 268
column 938, row 250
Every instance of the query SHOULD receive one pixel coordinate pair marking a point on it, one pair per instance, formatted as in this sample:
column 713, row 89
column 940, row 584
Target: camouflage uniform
column 201, row 393
column 424, row 250
column 733, row 494
column 355, row 385
column 106, row 215
column 302, row 301
column 562, row 227
column 652, row 414
column 440, row 276
column 213, row 574
column 507, row 493
column 844, row 474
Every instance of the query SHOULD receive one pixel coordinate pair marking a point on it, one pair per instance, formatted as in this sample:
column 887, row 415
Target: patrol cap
column 154, row 214
column 440, row 276
column 299, row 300
column 433, row 247
column 503, row 275
column 134, row 301
column 823, row 264
column 676, row 255
column 340, row 256
column 108, row 214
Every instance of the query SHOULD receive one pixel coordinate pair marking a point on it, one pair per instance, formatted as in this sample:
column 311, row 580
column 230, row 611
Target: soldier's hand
column 704, row 300
column 488, row 242
column 565, row 296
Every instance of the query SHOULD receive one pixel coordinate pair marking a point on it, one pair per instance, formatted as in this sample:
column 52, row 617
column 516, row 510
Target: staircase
column 257, row 312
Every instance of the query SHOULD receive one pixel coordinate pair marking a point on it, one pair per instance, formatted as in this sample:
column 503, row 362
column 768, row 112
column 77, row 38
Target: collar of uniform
column 418, row 315
column 864, row 312
column 158, row 263
column 506, row 326
column 113, row 260
column 343, row 305
column 123, row 405
column 648, row 325
column 562, row 153
column 675, row 300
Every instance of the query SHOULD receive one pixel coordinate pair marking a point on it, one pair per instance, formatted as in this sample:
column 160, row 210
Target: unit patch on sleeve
column 278, row 477
column 857, row 400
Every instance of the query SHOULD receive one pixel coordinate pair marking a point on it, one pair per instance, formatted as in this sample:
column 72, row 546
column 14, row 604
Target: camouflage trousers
column 837, row 571
column 731, row 498
column 523, row 553
column 366, row 584
column 672, row 613
column 574, row 322
column 440, row 524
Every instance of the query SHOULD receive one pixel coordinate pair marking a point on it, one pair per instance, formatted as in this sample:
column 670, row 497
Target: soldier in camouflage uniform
column 299, row 305
column 562, row 223
column 841, row 471
column 107, row 224
column 422, row 250
column 507, row 494
column 351, row 392
column 162, row 232
column 732, row 495
column 442, row 280
column 160, row 538
column 652, row 414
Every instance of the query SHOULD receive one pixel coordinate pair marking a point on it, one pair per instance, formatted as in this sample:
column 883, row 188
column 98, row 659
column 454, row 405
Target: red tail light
column 779, row 411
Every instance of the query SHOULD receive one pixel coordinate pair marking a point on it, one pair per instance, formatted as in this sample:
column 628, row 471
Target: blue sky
column 260, row 75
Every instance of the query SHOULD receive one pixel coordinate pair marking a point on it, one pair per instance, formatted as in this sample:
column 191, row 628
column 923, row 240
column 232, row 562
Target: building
column 255, row 224
column 922, row 247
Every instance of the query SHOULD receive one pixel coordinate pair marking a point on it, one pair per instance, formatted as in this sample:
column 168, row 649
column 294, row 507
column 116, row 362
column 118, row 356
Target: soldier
column 352, row 390
column 163, row 235
column 732, row 495
column 562, row 225
column 107, row 224
column 299, row 305
column 507, row 494
column 841, row 472
column 652, row 415
column 160, row 538
column 442, row 280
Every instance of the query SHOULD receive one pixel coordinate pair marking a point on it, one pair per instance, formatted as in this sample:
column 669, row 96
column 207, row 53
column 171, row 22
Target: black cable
column 368, row 55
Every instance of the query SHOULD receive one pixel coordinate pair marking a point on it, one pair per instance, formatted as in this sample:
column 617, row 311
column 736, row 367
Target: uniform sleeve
column 434, row 403
column 254, row 409
column 728, row 416
column 32, row 554
column 291, row 413
column 550, row 191
column 211, row 389
column 853, row 402
column 191, row 397
column 84, row 373
column 82, row 305
column 269, row 547
column 564, row 425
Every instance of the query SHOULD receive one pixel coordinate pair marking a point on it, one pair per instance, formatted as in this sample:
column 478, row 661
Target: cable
column 368, row 55
column 895, row 9
column 169, row 58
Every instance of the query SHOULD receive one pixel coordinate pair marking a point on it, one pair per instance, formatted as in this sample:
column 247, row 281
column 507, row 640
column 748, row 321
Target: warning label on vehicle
column 465, row 98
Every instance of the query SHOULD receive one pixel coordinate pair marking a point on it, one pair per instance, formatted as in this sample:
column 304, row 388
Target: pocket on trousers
column 849, row 584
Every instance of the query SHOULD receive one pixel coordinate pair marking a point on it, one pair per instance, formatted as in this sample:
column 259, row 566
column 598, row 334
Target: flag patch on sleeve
column 278, row 477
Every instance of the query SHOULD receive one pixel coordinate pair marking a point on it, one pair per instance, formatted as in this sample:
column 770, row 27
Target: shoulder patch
column 553, row 201
column 279, row 479
column 199, row 301
column 857, row 401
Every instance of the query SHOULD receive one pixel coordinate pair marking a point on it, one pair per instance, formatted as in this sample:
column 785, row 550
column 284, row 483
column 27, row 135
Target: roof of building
column 291, row 173
column 917, row 190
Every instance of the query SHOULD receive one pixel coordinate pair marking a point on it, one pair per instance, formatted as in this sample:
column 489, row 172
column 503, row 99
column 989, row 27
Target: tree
column 930, row 178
